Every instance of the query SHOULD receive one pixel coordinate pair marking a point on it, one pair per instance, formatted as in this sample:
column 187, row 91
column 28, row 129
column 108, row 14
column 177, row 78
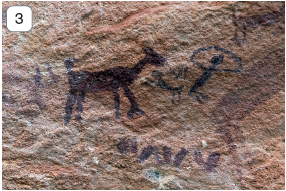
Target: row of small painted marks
column 126, row 145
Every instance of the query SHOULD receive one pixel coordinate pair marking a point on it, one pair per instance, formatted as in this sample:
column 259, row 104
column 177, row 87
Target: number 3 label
column 19, row 18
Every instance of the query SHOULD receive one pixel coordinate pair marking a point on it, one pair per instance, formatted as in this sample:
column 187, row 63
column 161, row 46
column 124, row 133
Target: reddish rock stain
column 254, row 86
column 129, row 20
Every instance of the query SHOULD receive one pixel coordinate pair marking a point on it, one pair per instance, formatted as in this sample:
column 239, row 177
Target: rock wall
column 211, row 116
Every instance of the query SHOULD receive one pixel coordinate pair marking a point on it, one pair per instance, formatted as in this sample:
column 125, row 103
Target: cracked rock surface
column 216, row 121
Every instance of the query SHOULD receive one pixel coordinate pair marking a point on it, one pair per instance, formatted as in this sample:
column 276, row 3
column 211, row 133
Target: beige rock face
column 232, row 139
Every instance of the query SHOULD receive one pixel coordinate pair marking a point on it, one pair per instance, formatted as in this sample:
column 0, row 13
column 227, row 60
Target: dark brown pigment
column 109, row 80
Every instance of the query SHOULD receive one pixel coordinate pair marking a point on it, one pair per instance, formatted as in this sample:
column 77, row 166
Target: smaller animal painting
column 164, row 85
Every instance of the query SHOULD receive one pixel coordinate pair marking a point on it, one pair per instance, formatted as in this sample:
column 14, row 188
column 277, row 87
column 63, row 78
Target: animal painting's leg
column 174, row 94
column 179, row 92
column 117, row 104
column 134, row 109
column 185, row 72
column 79, row 108
column 69, row 105
column 179, row 96
column 180, row 71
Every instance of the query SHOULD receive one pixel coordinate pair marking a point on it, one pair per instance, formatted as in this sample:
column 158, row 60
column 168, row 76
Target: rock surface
column 233, row 140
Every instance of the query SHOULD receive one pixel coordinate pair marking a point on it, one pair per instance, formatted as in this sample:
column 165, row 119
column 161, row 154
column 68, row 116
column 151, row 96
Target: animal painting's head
column 154, row 58
column 69, row 63
column 216, row 60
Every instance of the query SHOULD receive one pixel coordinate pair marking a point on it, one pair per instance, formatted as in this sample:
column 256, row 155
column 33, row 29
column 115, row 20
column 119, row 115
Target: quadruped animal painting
column 143, row 95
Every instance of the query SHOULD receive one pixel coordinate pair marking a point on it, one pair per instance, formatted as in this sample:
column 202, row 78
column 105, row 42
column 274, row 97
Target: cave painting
column 216, row 60
column 243, row 22
column 83, row 82
column 164, row 85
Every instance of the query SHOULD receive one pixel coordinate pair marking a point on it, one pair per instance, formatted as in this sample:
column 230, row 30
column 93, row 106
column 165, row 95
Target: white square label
column 19, row 18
